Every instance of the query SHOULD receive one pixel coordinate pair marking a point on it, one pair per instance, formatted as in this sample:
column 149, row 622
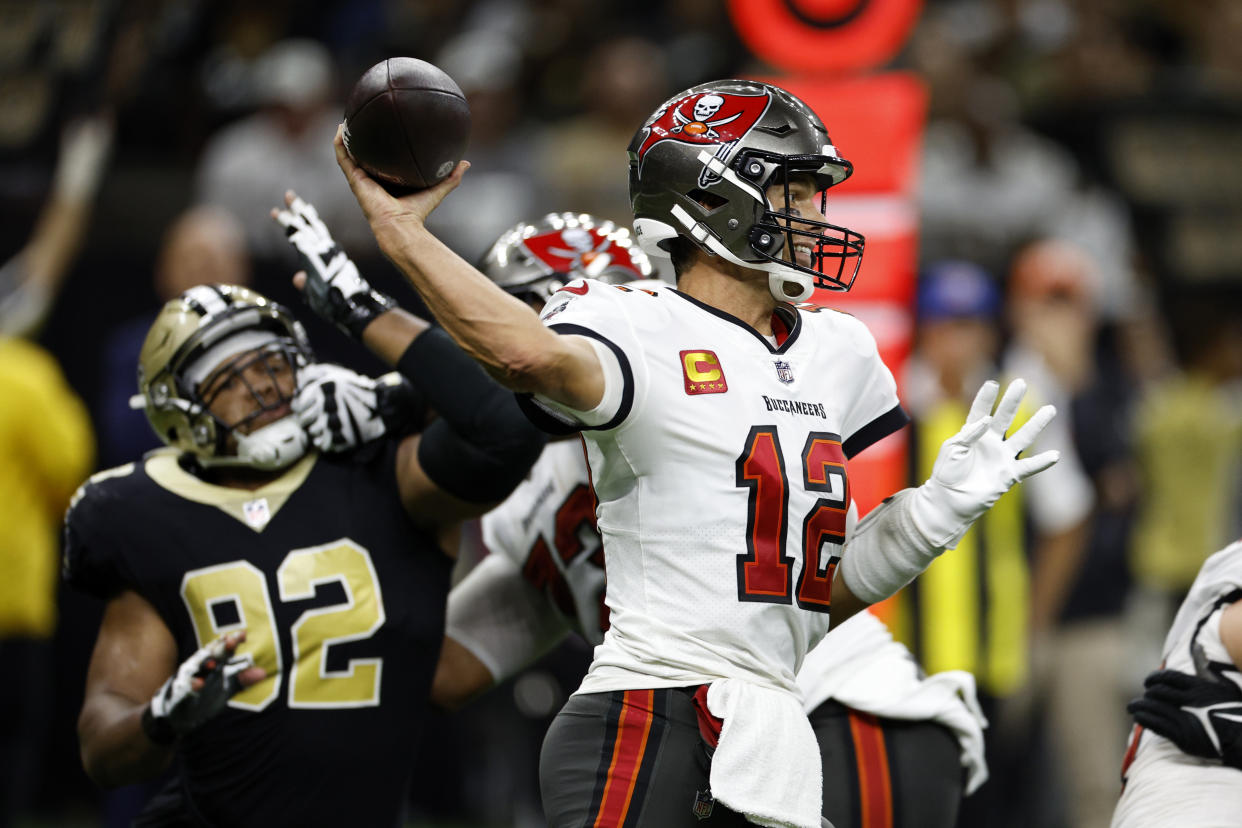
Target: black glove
column 179, row 707
column 335, row 290
column 1202, row 716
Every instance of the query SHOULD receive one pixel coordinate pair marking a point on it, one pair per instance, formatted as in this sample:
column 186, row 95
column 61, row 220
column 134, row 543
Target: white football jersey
column 720, row 474
column 1163, row 785
column 547, row 528
column 543, row 574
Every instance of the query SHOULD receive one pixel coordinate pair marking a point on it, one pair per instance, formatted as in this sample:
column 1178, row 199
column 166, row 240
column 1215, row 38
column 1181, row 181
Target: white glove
column 338, row 408
column 198, row 691
column 335, row 290
column 978, row 465
column 341, row 410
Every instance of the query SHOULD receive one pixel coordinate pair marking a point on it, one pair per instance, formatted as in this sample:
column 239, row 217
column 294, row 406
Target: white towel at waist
column 892, row 690
column 766, row 765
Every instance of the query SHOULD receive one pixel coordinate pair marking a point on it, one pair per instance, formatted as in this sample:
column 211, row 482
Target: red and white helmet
column 700, row 168
column 535, row 259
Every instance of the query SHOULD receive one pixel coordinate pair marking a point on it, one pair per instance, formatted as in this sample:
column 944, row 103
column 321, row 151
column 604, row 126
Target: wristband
column 159, row 731
column 361, row 309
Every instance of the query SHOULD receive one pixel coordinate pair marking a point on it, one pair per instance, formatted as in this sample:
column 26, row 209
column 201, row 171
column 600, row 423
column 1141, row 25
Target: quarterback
column 274, row 614
column 892, row 742
column 718, row 418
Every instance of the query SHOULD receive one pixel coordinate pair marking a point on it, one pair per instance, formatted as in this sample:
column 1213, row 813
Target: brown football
column 406, row 123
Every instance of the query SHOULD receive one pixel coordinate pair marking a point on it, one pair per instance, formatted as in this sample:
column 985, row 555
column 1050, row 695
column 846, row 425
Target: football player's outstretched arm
column 497, row 624
column 496, row 329
column 480, row 446
column 133, row 711
column 460, row 676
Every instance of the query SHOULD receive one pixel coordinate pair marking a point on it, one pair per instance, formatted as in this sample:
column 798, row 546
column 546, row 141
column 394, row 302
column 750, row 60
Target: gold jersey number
column 311, row 683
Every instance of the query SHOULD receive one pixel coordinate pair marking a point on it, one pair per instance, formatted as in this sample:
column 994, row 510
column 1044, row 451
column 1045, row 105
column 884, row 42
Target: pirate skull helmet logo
column 534, row 259
column 578, row 239
column 707, row 106
column 704, row 123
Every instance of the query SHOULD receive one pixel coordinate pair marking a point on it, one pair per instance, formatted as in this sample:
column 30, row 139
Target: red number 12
column 764, row 573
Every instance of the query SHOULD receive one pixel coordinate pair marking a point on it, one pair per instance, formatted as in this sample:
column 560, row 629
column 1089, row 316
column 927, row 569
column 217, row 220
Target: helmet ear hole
column 708, row 200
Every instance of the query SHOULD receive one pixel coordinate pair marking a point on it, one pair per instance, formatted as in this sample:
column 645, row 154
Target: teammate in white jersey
column 1184, row 763
column 718, row 418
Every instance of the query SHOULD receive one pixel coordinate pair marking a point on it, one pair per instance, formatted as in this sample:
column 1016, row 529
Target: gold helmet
column 187, row 342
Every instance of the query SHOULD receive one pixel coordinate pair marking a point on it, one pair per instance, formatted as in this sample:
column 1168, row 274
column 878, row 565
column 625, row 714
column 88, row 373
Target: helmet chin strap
column 274, row 446
column 778, row 284
column 779, row 275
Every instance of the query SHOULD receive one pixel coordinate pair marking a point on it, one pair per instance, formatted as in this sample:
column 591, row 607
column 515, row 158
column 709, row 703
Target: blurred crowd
column 1080, row 226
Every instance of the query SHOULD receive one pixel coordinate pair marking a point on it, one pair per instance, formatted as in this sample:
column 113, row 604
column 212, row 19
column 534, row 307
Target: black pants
column 628, row 758
column 887, row 773
column 636, row 758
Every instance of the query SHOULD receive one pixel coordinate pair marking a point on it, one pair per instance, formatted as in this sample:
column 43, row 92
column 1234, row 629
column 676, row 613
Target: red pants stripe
column 628, row 751
column 875, row 788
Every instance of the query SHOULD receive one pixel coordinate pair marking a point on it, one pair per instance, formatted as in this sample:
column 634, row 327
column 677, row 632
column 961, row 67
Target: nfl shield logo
column 783, row 372
column 703, row 804
column 257, row 513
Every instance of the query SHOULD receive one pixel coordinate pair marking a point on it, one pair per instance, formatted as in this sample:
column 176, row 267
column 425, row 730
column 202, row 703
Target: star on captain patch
column 784, row 372
column 257, row 512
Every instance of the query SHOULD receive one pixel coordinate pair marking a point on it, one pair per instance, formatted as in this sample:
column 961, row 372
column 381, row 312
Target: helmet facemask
column 275, row 443
column 835, row 252
column 200, row 341
column 539, row 291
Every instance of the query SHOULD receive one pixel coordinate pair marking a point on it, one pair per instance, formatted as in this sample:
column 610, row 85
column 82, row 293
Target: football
column 406, row 123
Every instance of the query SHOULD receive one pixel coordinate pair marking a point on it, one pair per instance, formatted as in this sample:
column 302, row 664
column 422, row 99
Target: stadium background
column 1122, row 117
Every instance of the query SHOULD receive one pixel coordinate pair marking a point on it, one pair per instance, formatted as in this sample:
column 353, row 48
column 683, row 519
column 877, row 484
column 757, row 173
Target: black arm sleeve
column 482, row 445
column 401, row 407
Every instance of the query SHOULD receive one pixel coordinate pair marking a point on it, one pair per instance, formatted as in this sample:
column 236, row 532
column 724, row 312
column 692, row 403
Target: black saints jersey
column 342, row 599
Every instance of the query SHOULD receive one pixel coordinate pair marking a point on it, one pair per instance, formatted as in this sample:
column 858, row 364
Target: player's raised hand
column 199, row 689
column 978, row 465
column 381, row 208
column 333, row 287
